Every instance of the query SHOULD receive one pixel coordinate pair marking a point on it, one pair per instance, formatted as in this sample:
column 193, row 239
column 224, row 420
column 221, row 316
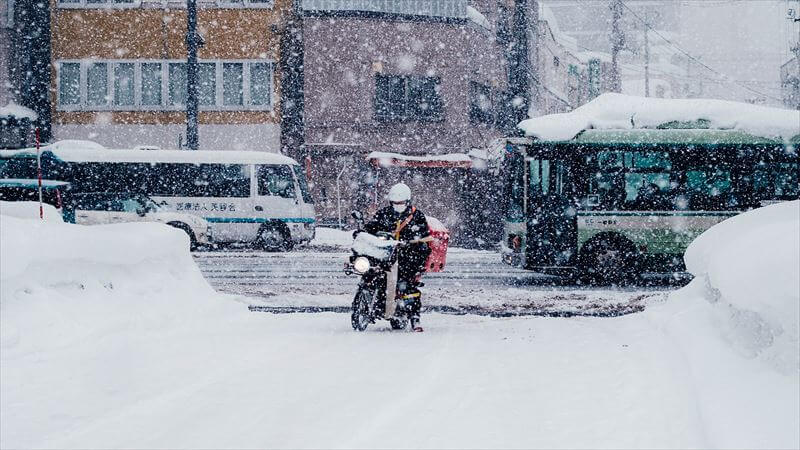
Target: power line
column 697, row 61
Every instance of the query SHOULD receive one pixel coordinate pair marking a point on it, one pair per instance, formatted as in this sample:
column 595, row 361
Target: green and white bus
column 609, row 205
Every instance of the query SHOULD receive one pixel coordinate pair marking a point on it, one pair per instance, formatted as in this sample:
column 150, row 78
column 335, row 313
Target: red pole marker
column 39, row 169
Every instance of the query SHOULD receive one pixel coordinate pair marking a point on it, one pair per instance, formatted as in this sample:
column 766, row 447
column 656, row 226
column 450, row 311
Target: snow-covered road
column 307, row 380
column 473, row 282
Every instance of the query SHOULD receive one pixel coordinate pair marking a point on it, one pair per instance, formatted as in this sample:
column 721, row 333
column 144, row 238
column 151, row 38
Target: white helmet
column 400, row 192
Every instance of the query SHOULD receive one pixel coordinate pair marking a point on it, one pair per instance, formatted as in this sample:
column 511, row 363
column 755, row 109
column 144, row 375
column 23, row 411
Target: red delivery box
column 441, row 238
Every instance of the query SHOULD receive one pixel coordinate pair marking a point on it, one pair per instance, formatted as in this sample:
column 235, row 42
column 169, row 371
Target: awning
column 447, row 161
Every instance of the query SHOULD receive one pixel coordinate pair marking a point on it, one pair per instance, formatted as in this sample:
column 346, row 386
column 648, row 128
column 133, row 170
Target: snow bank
column 18, row 111
column 63, row 283
column 370, row 245
column 331, row 237
column 750, row 266
column 29, row 210
column 618, row 111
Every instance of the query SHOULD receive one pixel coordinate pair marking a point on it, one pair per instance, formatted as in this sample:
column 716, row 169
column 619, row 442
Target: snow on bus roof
column 625, row 112
column 73, row 152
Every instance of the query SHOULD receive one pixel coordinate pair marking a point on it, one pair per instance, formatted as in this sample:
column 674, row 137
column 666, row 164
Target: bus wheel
column 274, row 238
column 187, row 230
column 609, row 259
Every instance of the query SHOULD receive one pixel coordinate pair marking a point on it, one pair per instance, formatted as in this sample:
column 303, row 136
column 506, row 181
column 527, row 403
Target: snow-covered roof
column 451, row 160
column 624, row 112
column 30, row 183
column 77, row 154
column 20, row 112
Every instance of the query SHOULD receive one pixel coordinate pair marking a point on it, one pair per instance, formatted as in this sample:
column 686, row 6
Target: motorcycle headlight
column 361, row 264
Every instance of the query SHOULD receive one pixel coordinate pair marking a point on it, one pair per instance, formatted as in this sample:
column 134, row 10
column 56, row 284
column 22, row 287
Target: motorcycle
column 374, row 259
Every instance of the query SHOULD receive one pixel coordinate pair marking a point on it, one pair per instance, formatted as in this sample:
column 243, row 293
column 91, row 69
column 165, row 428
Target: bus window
column 633, row 180
column 220, row 180
column 539, row 176
column 773, row 181
column 275, row 180
column 709, row 187
column 301, row 178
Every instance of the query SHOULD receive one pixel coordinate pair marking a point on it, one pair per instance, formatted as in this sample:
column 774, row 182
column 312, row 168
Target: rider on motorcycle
column 409, row 226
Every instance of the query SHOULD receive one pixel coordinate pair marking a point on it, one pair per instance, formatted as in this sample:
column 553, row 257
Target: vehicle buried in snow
column 98, row 208
column 608, row 205
column 55, row 193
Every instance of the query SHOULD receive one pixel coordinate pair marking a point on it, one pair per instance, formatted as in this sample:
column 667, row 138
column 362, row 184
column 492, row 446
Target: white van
column 246, row 196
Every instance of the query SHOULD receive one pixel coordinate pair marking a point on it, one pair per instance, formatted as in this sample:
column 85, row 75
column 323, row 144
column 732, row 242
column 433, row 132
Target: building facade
column 411, row 78
column 120, row 72
column 790, row 83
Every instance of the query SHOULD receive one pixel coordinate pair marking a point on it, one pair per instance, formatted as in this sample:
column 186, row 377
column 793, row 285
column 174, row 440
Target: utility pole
column 646, row 60
column 794, row 16
column 191, row 75
column 519, row 64
column 617, row 42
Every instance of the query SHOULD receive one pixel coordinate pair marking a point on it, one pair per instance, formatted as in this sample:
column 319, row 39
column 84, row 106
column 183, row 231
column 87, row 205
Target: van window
column 301, row 178
column 275, row 180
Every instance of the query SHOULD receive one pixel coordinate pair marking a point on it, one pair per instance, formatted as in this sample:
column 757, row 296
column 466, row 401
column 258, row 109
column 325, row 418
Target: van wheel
column 182, row 226
column 274, row 238
column 609, row 259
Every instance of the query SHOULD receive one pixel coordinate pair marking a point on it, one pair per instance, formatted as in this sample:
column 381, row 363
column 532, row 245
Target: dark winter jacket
column 386, row 219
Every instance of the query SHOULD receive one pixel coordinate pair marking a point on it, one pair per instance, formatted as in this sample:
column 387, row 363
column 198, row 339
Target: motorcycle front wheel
column 360, row 318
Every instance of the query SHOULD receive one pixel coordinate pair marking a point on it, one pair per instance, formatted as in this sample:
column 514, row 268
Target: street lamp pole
column 191, row 76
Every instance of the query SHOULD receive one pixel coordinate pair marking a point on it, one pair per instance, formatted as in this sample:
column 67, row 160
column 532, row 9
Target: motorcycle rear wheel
column 360, row 318
column 398, row 324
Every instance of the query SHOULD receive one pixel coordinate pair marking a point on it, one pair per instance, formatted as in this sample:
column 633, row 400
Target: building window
column 232, row 84
column 163, row 3
column 177, row 84
column 260, row 83
column 400, row 98
column 207, row 79
column 161, row 85
column 151, row 84
column 98, row 3
column 97, row 84
column 69, row 84
column 480, row 103
column 123, row 84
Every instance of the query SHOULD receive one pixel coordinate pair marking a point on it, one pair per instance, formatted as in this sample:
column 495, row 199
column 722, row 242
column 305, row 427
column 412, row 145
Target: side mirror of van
column 357, row 215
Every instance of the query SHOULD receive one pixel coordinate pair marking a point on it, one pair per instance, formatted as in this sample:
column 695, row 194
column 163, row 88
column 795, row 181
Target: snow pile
column 64, row 283
column 369, row 245
column 618, row 111
column 750, row 266
column 18, row 111
column 331, row 237
column 29, row 210
column 75, row 144
column 435, row 224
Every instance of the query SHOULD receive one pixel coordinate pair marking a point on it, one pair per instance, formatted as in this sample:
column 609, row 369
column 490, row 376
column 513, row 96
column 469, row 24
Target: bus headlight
column 361, row 264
